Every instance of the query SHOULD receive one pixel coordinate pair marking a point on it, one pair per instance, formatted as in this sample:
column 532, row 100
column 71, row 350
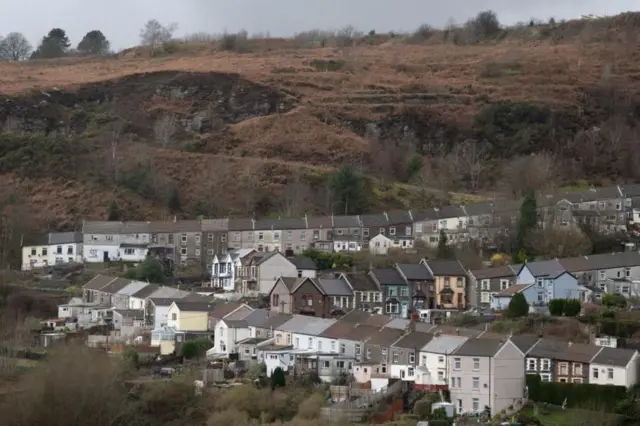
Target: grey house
column 484, row 283
column 102, row 289
column 178, row 241
column 121, row 297
column 541, row 358
column 378, row 348
column 321, row 229
column 296, row 237
column 215, row 235
column 367, row 294
column 241, row 234
column 348, row 228
column 609, row 272
column 128, row 321
column 395, row 291
column 406, row 352
column 486, row 373
column 421, row 284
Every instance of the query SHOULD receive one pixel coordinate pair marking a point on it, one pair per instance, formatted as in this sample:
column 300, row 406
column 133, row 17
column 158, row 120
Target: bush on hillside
column 556, row 307
column 518, row 306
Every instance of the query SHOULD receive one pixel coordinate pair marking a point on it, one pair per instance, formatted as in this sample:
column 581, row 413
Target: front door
column 405, row 310
column 105, row 256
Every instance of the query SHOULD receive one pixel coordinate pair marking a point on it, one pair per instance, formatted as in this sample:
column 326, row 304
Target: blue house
column 500, row 301
column 550, row 281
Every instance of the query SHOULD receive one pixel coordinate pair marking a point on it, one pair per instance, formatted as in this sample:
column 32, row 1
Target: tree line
column 56, row 44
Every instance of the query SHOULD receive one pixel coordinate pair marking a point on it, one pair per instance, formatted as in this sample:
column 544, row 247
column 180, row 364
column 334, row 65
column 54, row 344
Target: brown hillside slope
column 250, row 126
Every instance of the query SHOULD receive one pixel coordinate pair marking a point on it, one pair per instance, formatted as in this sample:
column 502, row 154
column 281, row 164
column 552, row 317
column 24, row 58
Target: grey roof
column 346, row 221
column 103, row 227
column 65, row 237
column 266, row 224
column 496, row 272
column 440, row 267
column 254, row 319
column 446, row 212
column 547, row 348
column 297, row 323
column 291, row 223
column 374, row 220
column 334, row 287
column 444, row 344
column 630, row 190
column 167, row 292
column 388, row 276
column 601, row 261
column 98, row 282
column 215, row 225
column 399, row 217
column 385, row 337
column 131, row 313
column 116, row 285
column 240, row 224
column 524, row 342
column 162, row 301
column 479, row 347
column 516, row 268
column 303, row 262
column 479, row 209
column 275, row 320
column 221, row 310
column 398, row 323
column 145, row 291
column 617, row 357
column 414, row 340
column 315, row 328
column 579, row 352
column 132, row 288
column 361, row 282
column 414, row 271
column 546, row 268
column 319, row 222
column 194, row 306
column 172, row 227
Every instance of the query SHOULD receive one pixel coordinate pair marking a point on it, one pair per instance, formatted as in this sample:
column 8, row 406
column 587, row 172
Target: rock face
column 200, row 102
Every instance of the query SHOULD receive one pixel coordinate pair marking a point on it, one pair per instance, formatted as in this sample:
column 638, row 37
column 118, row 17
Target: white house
column 409, row 345
column 75, row 308
column 306, row 338
column 225, row 267
column 274, row 358
column 380, row 245
column 54, row 248
column 614, row 366
column 275, row 265
column 105, row 241
column 346, row 243
column 432, row 372
column 228, row 332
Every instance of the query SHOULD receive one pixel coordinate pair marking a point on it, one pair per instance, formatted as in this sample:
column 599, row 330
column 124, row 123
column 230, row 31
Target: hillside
column 259, row 132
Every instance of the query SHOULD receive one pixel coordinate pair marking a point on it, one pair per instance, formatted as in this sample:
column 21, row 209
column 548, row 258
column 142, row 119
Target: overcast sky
column 121, row 20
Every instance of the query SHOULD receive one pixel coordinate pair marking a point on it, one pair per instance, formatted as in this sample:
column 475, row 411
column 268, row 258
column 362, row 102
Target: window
column 531, row 364
column 459, row 283
column 109, row 237
column 485, row 285
column 393, row 307
column 333, row 346
column 577, row 369
column 546, row 377
column 183, row 238
column 368, row 353
column 456, row 363
column 197, row 252
column 392, row 231
column 485, row 297
column 59, row 250
column 223, row 238
column 564, row 369
column 440, row 376
column 303, row 235
column 504, row 284
column 412, row 358
column 476, row 364
column 288, row 339
column 545, row 364
column 475, row 382
column 440, row 360
column 276, row 236
column 381, row 231
column 407, row 230
column 410, row 371
column 197, row 239
column 365, row 232
column 627, row 272
column 297, row 342
column 475, row 405
column 310, row 343
column 236, row 237
column 44, row 251
column 423, row 360
column 129, row 251
column 601, row 274
column 210, row 237
column 610, row 373
column 69, row 249
column 33, row 252
column 594, row 373
column 260, row 236
column 183, row 251
column 395, row 357
column 447, row 284
column 174, row 317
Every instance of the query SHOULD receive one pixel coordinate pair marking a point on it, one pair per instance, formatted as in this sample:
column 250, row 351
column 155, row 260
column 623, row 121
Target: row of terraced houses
column 608, row 209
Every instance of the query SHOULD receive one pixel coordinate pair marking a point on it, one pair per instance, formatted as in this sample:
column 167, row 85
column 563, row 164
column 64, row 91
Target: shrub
column 328, row 65
column 571, row 308
column 556, row 307
column 277, row 378
column 576, row 394
column 518, row 306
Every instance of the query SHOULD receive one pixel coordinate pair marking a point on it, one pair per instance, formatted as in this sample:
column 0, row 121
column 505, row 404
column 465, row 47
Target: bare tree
column 530, row 173
column 470, row 157
column 154, row 33
column 15, row 47
column 295, row 197
column 165, row 129
column 388, row 159
column 557, row 243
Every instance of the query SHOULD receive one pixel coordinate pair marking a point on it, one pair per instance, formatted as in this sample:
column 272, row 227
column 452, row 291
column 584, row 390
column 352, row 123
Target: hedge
column 578, row 395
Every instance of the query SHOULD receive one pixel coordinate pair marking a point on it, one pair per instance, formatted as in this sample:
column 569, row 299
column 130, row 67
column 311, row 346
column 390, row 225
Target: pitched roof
column 514, row 289
column 414, row 271
column 346, row 221
column 98, row 282
column 185, row 306
column 496, row 272
column 296, row 323
column 398, row 323
column 579, row 352
column 303, row 262
column 131, row 313
column 479, row 347
column 319, row 222
column 317, row 326
column 414, row 340
column 171, row 227
column 116, row 285
column 457, row 331
column 65, row 237
column 334, row 287
column 365, row 318
column 361, row 282
column 374, row 220
column 399, row 217
column 524, row 342
column 547, row 348
column 444, row 344
column 443, row 267
column 385, row 337
column 145, row 291
column 215, row 225
column 254, row 319
column 224, row 309
column 338, row 330
column 168, row 292
column 132, row 288
column 545, row 268
column 291, row 223
column 162, row 301
column 617, row 357
column 240, row 225
column 601, row 261
column 387, row 276
column 275, row 320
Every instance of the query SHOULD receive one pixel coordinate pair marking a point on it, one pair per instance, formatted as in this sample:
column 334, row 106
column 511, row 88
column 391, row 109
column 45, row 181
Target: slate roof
column 441, row 267
column 131, row 313
column 297, row 323
column 414, row 271
column 457, row 331
column 490, row 273
column 617, row 357
column 162, row 301
column 346, row 221
column 365, row 318
column 194, row 306
column 317, row 326
column 579, row 352
column 385, row 337
column 132, row 288
column 447, row 212
column 479, row 209
column 266, row 224
column 479, row 347
column 361, row 282
column 65, row 237
column 215, row 225
column 399, row 217
column 168, row 292
column 334, row 287
column 379, row 220
column 414, row 340
column 398, row 323
column 171, row 227
column 444, row 344
column 255, row 319
column 303, row 262
column 601, row 261
column 546, row 268
column 319, row 222
column 286, row 223
column 275, row 321
column 524, row 342
column 116, row 285
column 98, row 282
column 514, row 289
column 224, row 309
column 547, row 348
column 388, row 276
column 240, row 225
